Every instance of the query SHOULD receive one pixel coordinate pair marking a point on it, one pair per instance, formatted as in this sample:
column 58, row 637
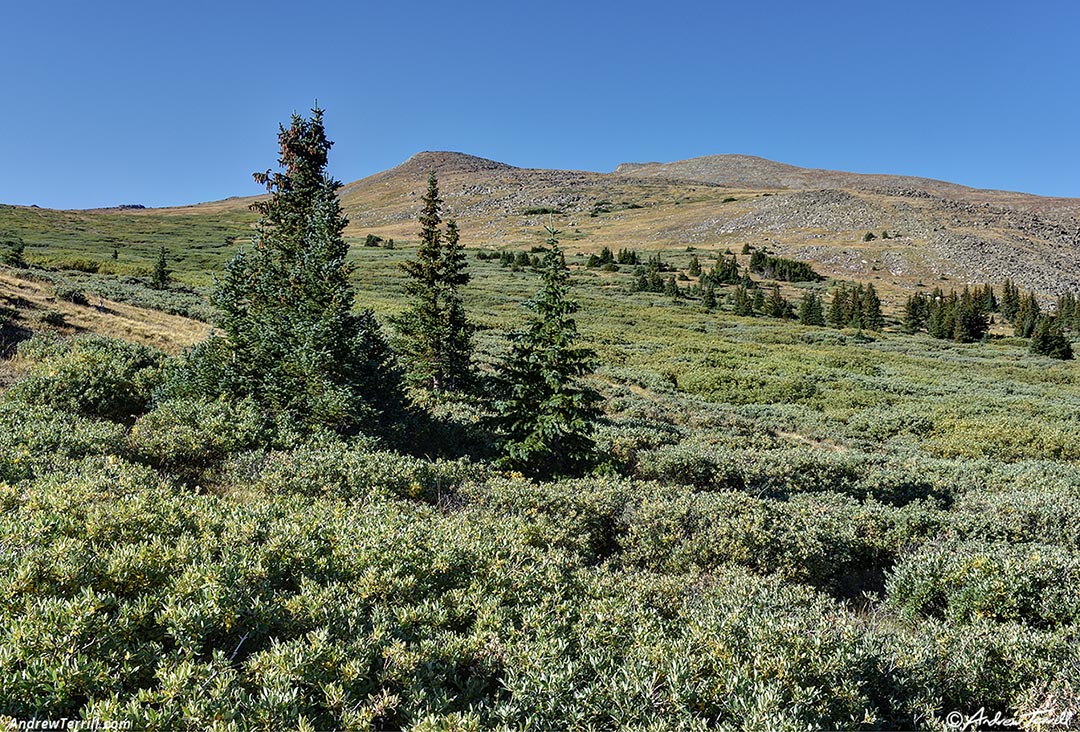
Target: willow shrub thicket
column 784, row 526
column 164, row 562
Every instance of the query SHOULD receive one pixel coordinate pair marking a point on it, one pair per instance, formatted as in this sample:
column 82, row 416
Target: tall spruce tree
column 811, row 311
column 546, row 415
column 1027, row 316
column 13, row 257
column 839, row 315
column 708, row 298
column 871, row 310
column 434, row 336
column 1067, row 311
column 459, row 331
column 916, row 313
column 159, row 280
column 757, row 299
column 290, row 339
column 1010, row 300
column 775, row 305
column 742, row 304
column 1048, row 339
column 695, row 266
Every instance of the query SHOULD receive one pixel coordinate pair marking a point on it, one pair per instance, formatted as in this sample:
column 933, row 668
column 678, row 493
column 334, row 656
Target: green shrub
column 960, row 582
column 1001, row 668
column 829, row 541
column 1046, row 514
column 80, row 264
column 579, row 516
column 53, row 317
column 71, row 294
column 88, row 375
column 622, row 442
column 42, row 439
column 781, row 472
column 136, row 291
column 353, row 471
column 184, row 436
column 731, row 652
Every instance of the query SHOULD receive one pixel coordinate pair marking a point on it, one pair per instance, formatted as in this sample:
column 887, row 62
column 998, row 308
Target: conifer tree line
column 291, row 342
column 855, row 307
column 724, row 272
column 778, row 268
column 967, row 316
column 963, row 317
column 607, row 259
column 859, row 305
column 649, row 277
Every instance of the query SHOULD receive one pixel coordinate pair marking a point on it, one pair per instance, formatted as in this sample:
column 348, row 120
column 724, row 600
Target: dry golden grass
column 170, row 333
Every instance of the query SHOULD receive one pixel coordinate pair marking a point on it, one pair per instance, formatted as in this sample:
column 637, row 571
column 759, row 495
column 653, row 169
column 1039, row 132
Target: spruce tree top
column 303, row 205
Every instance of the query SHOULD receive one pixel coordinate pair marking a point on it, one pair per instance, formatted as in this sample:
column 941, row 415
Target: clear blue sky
column 164, row 103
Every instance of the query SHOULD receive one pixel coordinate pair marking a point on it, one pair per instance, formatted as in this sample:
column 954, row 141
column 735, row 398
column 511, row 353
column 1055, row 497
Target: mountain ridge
column 903, row 232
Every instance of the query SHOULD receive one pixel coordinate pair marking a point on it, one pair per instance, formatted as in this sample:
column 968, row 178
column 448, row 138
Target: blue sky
column 165, row 103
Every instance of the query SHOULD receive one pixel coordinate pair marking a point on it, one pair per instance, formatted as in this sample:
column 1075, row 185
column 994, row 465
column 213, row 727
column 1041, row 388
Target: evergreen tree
column 709, row 297
column 916, row 313
column 458, row 374
column 546, row 417
column 641, row 280
column 775, row 305
column 671, row 288
column 726, row 271
column 1027, row 316
column 855, row 308
column 871, row 310
column 961, row 318
column 434, row 336
column 159, row 280
column 1010, row 301
column 291, row 341
column 969, row 319
column 757, row 300
column 742, row 304
column 838, row 311
column 1066, row 310
column 1048, row 340
column 695, row 266
column 13, row 257
column 811, row 311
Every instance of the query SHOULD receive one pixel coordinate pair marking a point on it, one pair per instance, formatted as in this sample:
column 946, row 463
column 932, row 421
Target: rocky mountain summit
column 926, row 232
column 904, row 233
